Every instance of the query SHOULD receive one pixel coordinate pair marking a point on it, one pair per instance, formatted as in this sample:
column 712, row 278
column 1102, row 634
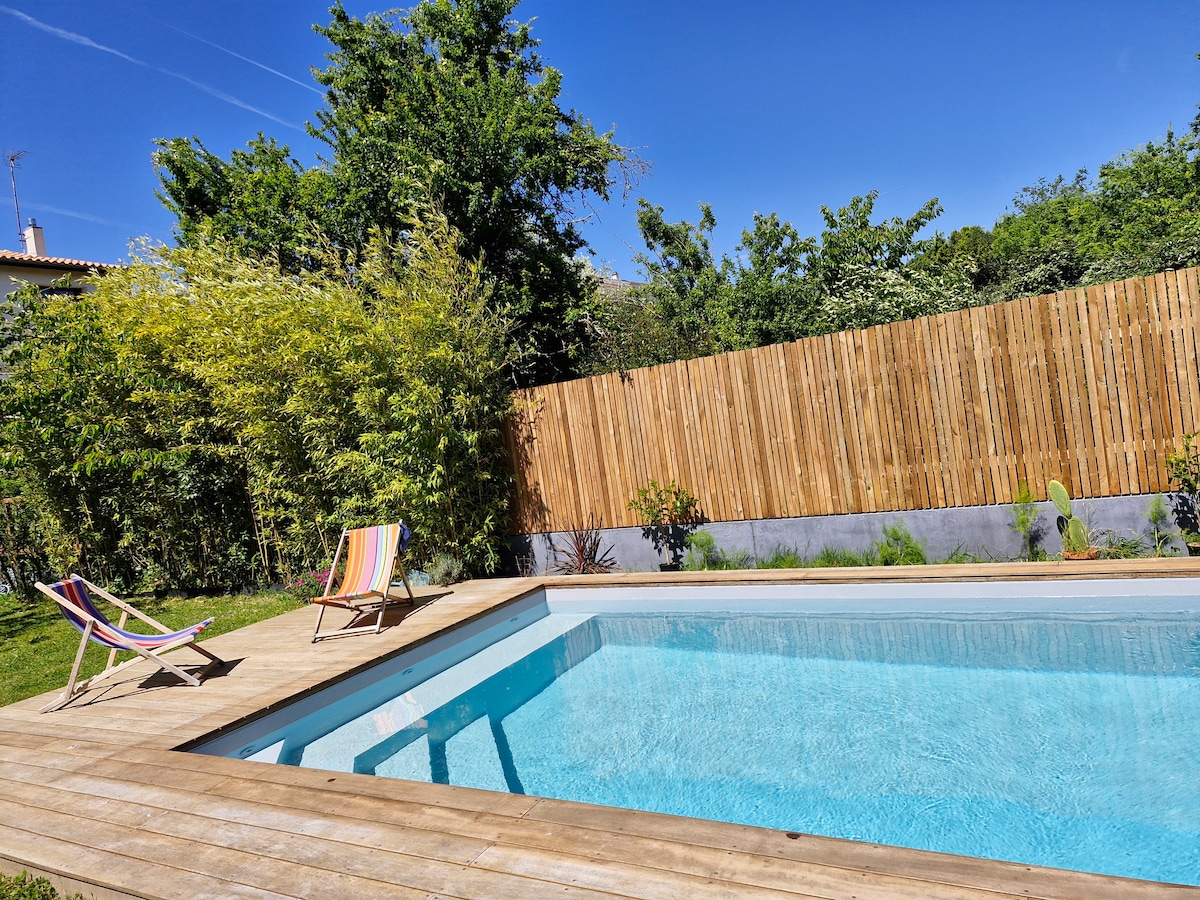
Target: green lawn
column 37, row 646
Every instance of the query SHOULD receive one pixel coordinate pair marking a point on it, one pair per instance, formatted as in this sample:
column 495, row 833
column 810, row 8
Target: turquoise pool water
column 1070, row 741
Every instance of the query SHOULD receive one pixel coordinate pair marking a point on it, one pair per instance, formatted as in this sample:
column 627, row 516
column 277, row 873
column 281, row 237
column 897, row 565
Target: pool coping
column 151, row 822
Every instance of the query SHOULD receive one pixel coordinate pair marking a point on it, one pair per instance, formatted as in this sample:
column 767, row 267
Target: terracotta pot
column 1089, row 553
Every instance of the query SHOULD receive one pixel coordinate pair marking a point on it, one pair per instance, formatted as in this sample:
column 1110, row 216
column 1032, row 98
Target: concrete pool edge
column 96, row 741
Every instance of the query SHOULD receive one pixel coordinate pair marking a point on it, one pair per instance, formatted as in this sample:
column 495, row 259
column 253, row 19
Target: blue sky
column 764, row 106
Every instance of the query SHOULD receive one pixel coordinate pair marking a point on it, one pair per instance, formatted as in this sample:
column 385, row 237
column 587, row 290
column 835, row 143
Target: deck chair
column 74, row 598
column 370, row 563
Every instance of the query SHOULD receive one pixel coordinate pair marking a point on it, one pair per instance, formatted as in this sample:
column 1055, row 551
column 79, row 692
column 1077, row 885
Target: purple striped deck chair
column 367, row 583
column 74, row 598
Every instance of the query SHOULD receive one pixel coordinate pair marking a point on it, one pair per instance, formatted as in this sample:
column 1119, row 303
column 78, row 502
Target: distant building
column 35, row 267
column 612, row 286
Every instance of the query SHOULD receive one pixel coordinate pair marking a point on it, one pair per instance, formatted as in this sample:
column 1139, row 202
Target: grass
column 897, row 547
column 37, row 646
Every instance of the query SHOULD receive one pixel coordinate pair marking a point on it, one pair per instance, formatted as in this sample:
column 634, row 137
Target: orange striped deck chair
column 74, row 598
column 371, row 555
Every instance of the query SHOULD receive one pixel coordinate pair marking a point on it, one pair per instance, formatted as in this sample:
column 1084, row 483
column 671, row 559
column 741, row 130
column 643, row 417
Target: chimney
column 35, row 241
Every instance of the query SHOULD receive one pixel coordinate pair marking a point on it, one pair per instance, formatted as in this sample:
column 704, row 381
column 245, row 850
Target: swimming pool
column 964, row 718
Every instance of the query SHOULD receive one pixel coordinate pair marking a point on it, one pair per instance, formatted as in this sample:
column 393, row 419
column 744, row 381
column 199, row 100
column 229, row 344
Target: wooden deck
column 96, row 797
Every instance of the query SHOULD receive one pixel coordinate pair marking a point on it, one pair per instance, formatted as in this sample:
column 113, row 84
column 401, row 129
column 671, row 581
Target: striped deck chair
column 74, row 599
column 370, row 564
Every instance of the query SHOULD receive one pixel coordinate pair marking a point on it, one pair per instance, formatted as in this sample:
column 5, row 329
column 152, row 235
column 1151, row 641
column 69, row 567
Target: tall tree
column 261, row 201
column 451, row 101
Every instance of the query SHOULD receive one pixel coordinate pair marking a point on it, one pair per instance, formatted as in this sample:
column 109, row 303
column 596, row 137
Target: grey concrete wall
column 985, row 532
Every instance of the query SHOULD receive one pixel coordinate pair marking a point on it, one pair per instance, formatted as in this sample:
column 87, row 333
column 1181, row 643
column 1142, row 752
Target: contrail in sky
column 253, row 62
column 69, row 35
column 228, row 98
column 199, row 85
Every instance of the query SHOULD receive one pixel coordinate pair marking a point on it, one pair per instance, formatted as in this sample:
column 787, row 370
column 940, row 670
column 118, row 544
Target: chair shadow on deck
column 163, row 678
column 137, row 682
column 393, row 615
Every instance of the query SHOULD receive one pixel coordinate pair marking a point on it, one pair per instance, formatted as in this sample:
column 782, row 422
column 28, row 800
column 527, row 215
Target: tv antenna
column 12, row 174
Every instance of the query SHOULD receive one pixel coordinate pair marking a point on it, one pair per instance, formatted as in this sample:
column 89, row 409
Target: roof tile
column 54, row 261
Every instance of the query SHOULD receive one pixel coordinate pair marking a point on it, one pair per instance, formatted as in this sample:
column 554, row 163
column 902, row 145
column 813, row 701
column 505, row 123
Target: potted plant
column 670, row 514
column 1077, row 543
column 1183, row 471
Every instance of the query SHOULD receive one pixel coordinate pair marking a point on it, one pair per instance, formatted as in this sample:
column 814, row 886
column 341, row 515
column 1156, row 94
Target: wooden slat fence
column 1092, row 386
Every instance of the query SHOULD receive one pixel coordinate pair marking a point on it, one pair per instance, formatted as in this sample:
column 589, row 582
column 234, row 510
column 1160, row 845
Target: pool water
column 1068, row 741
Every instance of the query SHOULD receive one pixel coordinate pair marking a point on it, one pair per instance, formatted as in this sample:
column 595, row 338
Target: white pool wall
column 1068, row 596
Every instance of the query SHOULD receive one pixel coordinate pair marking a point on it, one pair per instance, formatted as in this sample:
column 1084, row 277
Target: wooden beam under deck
column 96, row 796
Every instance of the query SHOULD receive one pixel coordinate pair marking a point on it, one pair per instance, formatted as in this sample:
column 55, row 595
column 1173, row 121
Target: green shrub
column 200, row 420
column 958, row 556
column 445, row 569
column 1117, row 547
column 1157, row 535
column 670, row 513
column 834, row 557
column 26, row 887
column 703, row 554
column 304, row 587
column 1183, row 472
column 899, row 547
column 1027, row 522
column 783, row 558
column 583, row 552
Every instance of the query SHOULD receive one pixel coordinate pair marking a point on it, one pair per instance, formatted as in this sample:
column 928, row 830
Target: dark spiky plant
column 582, row 554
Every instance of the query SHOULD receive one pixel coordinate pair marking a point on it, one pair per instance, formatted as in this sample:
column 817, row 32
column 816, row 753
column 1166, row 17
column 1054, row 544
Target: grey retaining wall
column 984, row 531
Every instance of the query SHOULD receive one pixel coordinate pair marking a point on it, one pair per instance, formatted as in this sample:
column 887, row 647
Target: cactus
column 1058, row 494
column 1073, row 530
column 1076, row 537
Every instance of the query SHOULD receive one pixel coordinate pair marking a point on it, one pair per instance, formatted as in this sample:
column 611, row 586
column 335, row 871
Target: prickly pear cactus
column 1062, row 500
column 1077, row 536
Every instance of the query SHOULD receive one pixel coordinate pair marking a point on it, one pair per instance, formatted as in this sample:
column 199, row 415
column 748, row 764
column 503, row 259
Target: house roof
column 10, row 257
column 612, row 286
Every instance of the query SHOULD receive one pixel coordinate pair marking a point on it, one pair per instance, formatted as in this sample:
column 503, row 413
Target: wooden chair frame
column 153, row 652
column 363, row 601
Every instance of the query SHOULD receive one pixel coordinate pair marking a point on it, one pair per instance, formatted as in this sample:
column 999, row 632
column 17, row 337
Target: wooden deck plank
column 113, row 875
column 934, row 869
column 195, row 858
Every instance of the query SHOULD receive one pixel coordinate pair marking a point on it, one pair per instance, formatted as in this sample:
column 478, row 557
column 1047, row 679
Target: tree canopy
column 777, row 286
column 1140, row 215
column 449, row 101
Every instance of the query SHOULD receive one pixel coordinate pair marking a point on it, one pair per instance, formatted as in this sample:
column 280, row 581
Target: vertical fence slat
column 916, row 440
column 815, row 443
column 1155, row 443
column 1071, row 375
column 847, row 417
column 1122, row 424
column 883, row 377
column 719, row 507
column 1168, row 320
column 1189, row 316
column 1135, row 377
